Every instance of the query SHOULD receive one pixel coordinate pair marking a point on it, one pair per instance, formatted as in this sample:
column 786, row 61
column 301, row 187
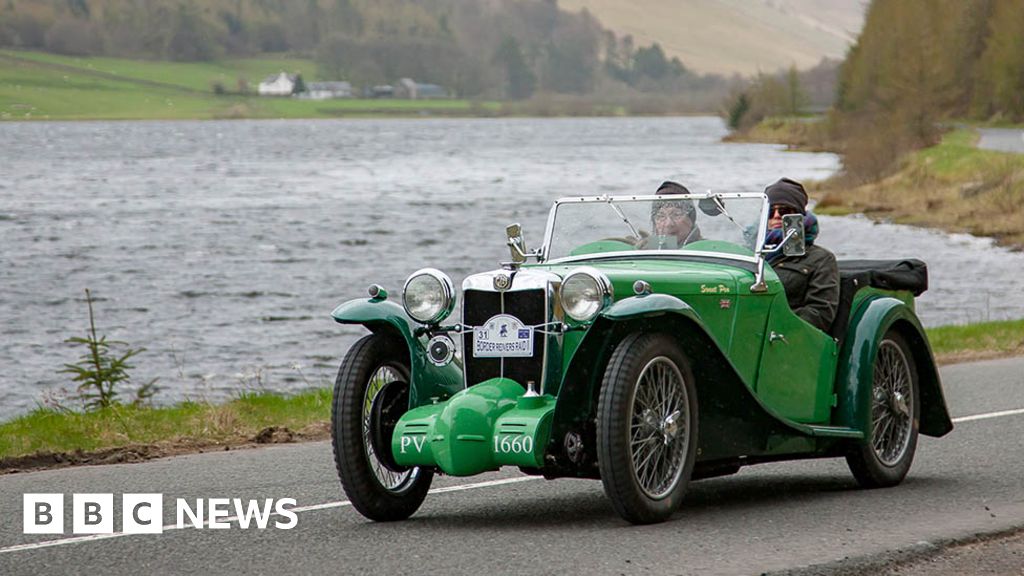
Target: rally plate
column 503, row 336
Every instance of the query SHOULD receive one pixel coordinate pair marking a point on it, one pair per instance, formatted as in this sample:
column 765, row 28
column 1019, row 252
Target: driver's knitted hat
column 788, row 193
column 685, row 204
column 670, row 187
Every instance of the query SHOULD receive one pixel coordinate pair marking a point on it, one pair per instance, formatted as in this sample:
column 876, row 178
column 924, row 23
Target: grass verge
column 64, row 437
column 977, row 341
column 49, row 438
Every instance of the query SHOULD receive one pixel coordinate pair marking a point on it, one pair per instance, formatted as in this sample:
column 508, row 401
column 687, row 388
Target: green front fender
column 649, row 305
column 385, row 317
column 868, row 325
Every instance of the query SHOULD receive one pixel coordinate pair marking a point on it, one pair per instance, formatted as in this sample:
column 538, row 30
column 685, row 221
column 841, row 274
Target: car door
column 797, row 367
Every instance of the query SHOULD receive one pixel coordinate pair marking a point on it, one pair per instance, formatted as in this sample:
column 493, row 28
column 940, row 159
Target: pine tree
column 1000, row 88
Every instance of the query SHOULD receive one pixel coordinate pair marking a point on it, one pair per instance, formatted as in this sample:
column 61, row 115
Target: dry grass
column 953, row 186
column 805, row 133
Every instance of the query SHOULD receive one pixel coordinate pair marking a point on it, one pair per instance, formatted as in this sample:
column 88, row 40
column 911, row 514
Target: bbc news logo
column 143, row 513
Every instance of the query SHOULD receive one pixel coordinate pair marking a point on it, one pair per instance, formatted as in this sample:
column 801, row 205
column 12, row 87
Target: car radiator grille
column 526, row 305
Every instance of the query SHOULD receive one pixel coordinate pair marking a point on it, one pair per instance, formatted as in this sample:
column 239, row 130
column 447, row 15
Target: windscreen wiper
column 632, row 229
column 721, row 208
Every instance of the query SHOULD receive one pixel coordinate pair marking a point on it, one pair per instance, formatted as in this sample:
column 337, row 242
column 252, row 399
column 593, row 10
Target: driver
column 812, row 280
column 674, row 221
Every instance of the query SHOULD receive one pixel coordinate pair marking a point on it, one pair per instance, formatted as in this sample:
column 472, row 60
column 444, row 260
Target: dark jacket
column 812, row 285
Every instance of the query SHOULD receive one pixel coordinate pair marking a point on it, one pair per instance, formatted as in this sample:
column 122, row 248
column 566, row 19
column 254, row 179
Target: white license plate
column 503, row 336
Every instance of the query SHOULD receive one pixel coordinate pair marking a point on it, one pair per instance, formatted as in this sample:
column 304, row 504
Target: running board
column 835, row 432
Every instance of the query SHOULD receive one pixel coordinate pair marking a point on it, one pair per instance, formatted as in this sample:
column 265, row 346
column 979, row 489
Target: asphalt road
column 1002, row 139
column 774, row 517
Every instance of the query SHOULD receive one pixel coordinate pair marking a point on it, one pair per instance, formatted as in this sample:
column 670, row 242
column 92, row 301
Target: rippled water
column 222, row 247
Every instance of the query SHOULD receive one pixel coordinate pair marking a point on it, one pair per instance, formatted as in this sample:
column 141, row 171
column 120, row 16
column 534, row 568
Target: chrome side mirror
column 793, row 243
column 516, row 243
column 793, row 232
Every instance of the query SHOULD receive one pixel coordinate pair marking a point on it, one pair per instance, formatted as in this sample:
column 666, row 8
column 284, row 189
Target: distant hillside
column 479, row 49
column 727, row 36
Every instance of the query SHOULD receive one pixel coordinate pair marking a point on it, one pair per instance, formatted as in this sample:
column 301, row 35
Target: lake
column 222, row 247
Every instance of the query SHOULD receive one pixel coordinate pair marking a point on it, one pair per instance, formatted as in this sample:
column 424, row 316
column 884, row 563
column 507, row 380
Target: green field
column 40, row 86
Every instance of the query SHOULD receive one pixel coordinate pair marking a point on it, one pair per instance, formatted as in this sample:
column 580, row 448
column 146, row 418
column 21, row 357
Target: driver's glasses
column 783, row 210
column 670, row 214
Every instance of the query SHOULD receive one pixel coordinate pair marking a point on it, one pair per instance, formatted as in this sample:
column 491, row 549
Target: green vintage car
column 646, row 362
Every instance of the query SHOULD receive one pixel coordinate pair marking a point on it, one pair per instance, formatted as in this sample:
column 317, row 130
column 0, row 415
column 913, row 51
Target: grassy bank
column 803, row 133
column 35, row 85
column 122, row 432
column 953, row 186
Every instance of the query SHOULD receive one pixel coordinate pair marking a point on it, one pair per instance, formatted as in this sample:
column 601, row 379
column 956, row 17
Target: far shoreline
column 43, row 86
column 423, row 115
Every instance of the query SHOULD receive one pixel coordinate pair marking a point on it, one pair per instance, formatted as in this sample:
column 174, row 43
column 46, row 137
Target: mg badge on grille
column 502, row 282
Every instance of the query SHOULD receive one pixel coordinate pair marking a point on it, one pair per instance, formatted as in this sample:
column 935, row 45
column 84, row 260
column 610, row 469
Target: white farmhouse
column 278, row 85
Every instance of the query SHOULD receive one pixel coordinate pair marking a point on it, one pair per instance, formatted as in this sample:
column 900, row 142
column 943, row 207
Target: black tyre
column 885, row 457
column 647, row 428
column 375, row 487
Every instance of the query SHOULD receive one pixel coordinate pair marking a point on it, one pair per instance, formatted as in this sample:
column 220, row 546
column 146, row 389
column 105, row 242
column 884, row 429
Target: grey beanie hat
column 788, row 193
column 685, row 204
column 670, row 187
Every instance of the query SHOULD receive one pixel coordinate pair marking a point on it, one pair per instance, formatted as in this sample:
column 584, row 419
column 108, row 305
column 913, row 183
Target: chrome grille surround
column 523, row 280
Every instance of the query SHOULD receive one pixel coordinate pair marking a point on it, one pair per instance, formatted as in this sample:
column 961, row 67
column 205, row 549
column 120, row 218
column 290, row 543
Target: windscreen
column 727, row 223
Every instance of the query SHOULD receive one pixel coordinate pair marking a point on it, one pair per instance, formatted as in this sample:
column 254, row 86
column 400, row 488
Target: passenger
column 812, row 280
column 674, row 221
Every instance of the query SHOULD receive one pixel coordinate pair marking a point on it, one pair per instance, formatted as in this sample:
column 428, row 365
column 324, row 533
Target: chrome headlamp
column 584, row 293
column 428, row 296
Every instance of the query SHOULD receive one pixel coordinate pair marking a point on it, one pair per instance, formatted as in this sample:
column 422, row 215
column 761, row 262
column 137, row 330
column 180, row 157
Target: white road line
column 988, row 415
column 297, row 509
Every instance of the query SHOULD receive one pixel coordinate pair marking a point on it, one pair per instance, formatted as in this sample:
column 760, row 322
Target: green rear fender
column 868, row 325
column 385, row 317
column 732, row 420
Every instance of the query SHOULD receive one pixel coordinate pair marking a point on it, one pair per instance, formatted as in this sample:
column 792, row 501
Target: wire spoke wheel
column 885, row 456
column 891, row 413
column 647, row 427
column 660, row 411
column 374, row 365
column 388, row 479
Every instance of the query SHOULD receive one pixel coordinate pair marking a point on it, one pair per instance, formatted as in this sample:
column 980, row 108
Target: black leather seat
column 908, row 274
